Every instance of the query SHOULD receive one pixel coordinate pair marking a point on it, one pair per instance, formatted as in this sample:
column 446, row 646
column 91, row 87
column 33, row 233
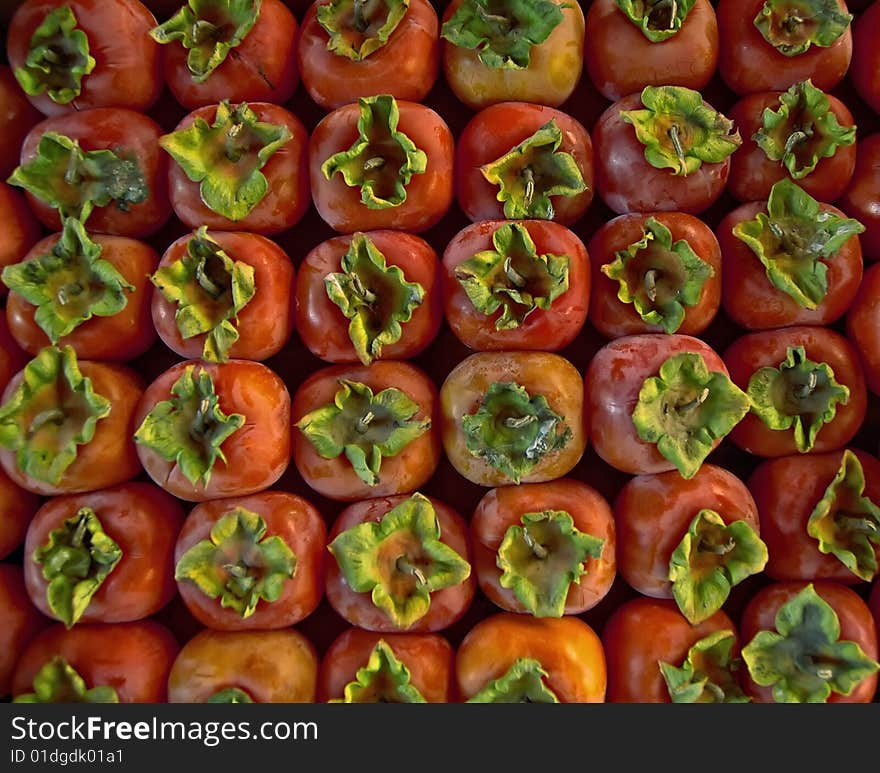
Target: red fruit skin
column 132, row 658
column 863, row 326
column 21, row 229
column 754, row 303
column 752, row 174
column 626, row 182
column 18, row 507
column 288, row 516
column 642, row 632
column 17, row 117
column 12, row 357
column 786, row 490
column 856, row 624
column 864, row 70
column 20, row 621
column 143, row 520
column 861, row 199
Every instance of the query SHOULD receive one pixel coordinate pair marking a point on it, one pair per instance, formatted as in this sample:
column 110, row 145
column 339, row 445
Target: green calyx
column 802, row 131
column 523, row 682
column 686, row 408
column 658, row 20
column 364, row 427
column 375, row 296
column 513, row 431
column 792, row 26
column 52, row 412
column 358, row 28
column 804, row 660
column 384, row 679
column 75, row 181
column 230, row 695
column 69, row 284
column 799, row 396
column 502, row 32
column 543, row 557
column 845, row 522
column 710, row 560
column 210, row 290
column 58, row 682
column 658, row 277
column 226, row 157
column 238, row 564
column 189, row 429
column 400, row 561
column 58, row 58
column 794, row 240
column 680, row 131
column 708, row 674
column 513, row 277
column 209, row 30
column 383, row 160
column 75, row 561
column 533, row 171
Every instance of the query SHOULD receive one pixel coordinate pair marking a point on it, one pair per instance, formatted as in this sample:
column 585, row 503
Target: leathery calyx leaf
column 383, row 679
column 708, row 673
column 358, row 28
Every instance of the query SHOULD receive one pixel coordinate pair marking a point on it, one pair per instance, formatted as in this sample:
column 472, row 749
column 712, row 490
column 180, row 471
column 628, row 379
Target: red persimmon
column 369, row 295
column 18, row 506
column 21, row 229
column 223, row 294
column 861, row 199
column 20, row 621
column 350, row 48
column 654, row 272
column 864, row 69
column 12, row 357
column 381, row 162
column 400, row 563
column 105, row 556
column 253, row 562
column 863, row 326
column 17, row 117
column 363, row 666
column 519, row 160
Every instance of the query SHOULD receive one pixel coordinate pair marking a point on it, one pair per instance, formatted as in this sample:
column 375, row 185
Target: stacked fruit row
column 494, row 351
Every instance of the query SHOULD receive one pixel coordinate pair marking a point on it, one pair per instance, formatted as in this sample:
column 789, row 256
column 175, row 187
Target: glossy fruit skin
column 257, row 454
column 429, row 195
column 786, row 490
column 862, row 326
column 554, row 69
column 264, row 325
column 864, row 70
column 626, row 182
column 620, row 60
column 654, row 511
column 262, row 68
column 568, row 648
column 121, row 337
column 12, row 357
column 400, row 474
column 874, row 604
column 752, row 174
column 498, row 128
column 286, row 172
column 18, row 506
column 21, row 229
column 17, row 117
column 549, row 330
column 429, row 657
column 288, row 516
column 322, row 326
column 856, row 624
column 123, row 131
column 127, row 70
column 504, row 506
column 613, row 318
column 747, row 63
column 754, row 303
column 143, row 520
column 132, row 658
column 640, row 633
column 763, row 348
column 540, row 373
column 110, row 457
column 612, row 383
column 448, row 605
column 861, row 199
column 406, row 67
column 20, row 621
column 277, row 666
